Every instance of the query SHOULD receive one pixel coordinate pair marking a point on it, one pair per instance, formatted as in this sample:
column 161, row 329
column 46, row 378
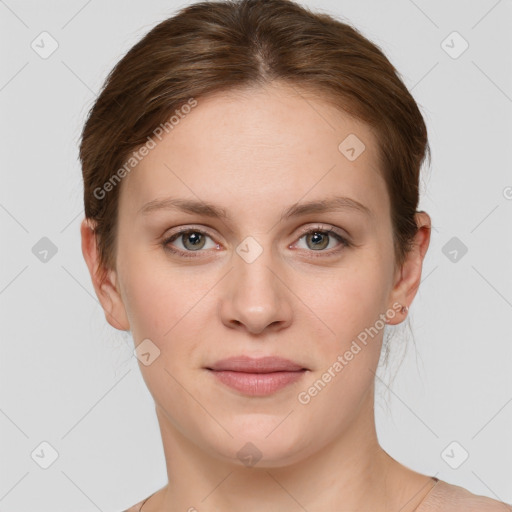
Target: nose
column 256, row 296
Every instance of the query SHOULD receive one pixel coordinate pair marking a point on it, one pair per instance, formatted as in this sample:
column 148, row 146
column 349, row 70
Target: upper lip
column 256, row 365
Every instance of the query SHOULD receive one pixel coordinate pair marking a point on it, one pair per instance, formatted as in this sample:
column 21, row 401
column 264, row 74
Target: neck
column 352, row 472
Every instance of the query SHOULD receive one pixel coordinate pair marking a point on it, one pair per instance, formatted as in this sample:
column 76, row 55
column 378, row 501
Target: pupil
column 194, row 237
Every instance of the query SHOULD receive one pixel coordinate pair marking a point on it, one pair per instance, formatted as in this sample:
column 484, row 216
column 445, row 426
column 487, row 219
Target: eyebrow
column 206, row 209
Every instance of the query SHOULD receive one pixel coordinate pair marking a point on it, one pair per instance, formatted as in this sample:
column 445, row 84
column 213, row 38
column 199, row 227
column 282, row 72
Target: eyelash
column 318, row 229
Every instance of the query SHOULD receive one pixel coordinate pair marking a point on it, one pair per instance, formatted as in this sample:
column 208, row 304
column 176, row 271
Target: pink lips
column 257, row 377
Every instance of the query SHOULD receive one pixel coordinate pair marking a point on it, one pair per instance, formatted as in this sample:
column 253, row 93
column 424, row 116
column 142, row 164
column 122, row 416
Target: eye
column 192, row 240
column 319, row 239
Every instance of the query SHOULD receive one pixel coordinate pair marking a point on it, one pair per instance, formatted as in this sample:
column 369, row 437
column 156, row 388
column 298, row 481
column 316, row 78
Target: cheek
column 154, row 301
column 348, row 347
column 346, row 300
column 150, row 305
column 168, row 306
column 165, row 310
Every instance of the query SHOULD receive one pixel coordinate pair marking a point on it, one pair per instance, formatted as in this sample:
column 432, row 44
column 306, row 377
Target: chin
column 262, row 445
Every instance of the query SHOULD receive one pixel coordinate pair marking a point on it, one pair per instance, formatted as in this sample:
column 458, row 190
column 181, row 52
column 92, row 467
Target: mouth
column 257, row 377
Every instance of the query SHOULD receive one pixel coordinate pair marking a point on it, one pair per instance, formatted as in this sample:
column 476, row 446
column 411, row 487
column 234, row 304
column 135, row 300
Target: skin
column 255, row 153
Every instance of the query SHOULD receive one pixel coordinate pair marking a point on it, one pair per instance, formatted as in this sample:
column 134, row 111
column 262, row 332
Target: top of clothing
column 443, row 497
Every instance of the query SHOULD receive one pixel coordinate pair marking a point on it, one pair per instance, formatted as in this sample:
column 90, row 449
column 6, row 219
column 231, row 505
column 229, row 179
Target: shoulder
column 136, row 507
column 446, row 497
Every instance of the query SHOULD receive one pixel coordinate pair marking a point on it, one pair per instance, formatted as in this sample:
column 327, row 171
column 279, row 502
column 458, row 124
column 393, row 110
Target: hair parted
column 210, row 47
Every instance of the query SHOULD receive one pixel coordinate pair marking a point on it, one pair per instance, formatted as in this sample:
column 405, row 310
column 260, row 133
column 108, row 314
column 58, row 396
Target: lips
column 257, row 377
column 247, row 364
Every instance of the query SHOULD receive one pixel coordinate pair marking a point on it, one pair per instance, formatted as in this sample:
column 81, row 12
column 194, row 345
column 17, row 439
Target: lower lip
column 257, row 384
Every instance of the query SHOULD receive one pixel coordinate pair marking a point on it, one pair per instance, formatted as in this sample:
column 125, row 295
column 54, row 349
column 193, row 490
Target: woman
column 251, row 177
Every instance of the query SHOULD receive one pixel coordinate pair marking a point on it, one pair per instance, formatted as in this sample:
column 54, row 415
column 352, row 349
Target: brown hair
column 211, row 47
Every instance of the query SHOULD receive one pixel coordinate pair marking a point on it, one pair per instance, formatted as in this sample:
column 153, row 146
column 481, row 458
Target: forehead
column 273, row 144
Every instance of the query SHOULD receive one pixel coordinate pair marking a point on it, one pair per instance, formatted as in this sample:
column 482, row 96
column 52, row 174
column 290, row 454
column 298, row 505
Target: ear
column 408, row 276
column 104, row 281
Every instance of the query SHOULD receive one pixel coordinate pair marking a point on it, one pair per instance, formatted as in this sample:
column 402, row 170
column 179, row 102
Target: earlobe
column 103, row 280
column 113, row 306
column 409, row 278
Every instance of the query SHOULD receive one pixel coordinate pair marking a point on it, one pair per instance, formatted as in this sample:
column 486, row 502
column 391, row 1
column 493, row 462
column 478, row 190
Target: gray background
column 71, row 380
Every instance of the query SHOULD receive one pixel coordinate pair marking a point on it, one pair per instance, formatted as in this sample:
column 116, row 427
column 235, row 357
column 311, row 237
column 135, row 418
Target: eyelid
column 328, row 228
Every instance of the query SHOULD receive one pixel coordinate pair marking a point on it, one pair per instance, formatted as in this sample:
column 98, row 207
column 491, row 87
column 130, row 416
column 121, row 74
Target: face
column 272, row 276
